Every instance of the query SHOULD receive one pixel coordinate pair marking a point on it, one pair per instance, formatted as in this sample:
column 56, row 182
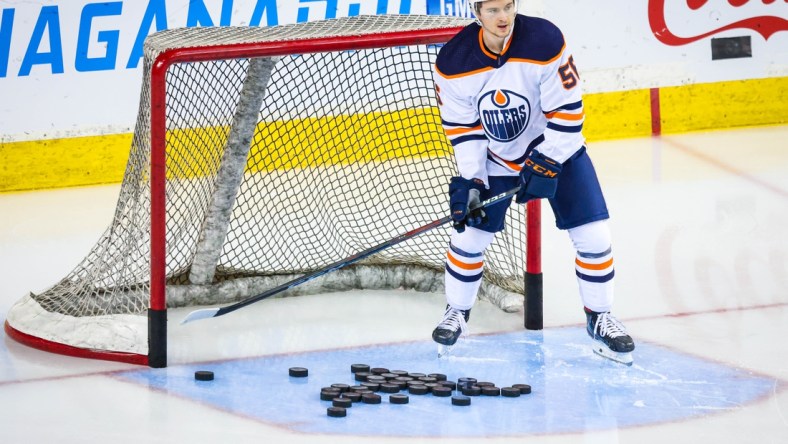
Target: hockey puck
column 336, row 412
column 374, row 386
column 298, row 372
column 438, row 376
column 362, row 376
column 473, row 390
column 416, row 375
column 441, row 391
column 328, row 395
column 510, row 392
column 341, row 387
column 389, row 375
column 364, row 392
column 488, row 390
column 401, row 384
column 341, row 402
column 450, row 384
column 485, row 384
column 403, row 379
column 398, row 399
column 203, row 375
column 389, row 388
column 524, row 388
column 353, row 396
column 378, row 370
column 460, row 400
column 370, row 398
column 355, row 368
column 465, row 382
column 399, row 372
column 427, row 379
column 418, row 390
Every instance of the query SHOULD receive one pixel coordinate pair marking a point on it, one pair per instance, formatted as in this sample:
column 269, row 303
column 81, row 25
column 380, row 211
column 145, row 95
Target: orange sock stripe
column 602, row 266
column 463, row 265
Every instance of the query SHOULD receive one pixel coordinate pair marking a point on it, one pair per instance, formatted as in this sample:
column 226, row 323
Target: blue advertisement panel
column 83, row 58
column 36, row 36
column 460, row 8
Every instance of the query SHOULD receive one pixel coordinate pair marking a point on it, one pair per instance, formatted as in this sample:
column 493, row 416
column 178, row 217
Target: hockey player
column 511, row 105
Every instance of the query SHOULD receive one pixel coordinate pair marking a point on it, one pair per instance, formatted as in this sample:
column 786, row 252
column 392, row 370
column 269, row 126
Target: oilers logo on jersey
column 504, row 114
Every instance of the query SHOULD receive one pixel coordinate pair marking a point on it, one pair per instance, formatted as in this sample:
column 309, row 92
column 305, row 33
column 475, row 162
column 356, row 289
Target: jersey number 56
column 568, row 73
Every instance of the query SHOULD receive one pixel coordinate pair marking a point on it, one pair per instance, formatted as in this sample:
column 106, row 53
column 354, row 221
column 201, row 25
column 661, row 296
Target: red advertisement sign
column 728, row 14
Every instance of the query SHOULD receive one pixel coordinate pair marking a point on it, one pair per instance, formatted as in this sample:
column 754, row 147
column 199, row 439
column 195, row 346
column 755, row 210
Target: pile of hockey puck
column 372, row 384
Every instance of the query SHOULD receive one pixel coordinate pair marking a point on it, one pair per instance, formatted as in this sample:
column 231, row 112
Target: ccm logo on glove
column 539, row 169
column 538, row 178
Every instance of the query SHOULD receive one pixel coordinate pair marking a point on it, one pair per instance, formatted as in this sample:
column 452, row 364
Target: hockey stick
column 214, row 312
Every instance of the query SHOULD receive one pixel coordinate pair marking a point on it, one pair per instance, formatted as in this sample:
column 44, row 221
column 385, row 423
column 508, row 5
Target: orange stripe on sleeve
column 565, row 116
column 456, row 131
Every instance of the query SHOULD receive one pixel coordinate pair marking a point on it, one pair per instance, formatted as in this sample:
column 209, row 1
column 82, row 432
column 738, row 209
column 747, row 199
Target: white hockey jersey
column 496, row 108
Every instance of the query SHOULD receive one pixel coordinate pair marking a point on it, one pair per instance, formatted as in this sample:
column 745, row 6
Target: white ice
column 700, row 230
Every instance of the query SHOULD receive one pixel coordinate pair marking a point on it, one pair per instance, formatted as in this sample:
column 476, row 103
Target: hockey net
column 261, row 154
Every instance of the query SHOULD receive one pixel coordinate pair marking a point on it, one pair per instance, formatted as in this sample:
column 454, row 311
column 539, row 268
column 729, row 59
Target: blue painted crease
column 573, row 390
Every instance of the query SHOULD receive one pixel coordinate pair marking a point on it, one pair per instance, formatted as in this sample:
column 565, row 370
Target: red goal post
column 176, row 122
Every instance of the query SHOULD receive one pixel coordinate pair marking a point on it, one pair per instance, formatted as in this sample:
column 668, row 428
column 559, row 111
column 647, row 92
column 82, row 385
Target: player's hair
column 477, row 4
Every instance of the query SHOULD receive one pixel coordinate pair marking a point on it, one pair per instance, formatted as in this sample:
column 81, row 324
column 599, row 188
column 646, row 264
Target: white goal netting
column 275, row 167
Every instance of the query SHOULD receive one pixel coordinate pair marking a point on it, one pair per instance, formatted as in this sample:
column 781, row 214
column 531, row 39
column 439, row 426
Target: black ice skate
column 453, row 325
column 610, row 337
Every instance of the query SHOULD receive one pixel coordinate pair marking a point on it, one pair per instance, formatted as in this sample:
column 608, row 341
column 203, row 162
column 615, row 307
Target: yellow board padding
column 707, row 106
column 347, row 140
column 313, row 142
column 617, row 115
column 92, row 160
column 61, row 163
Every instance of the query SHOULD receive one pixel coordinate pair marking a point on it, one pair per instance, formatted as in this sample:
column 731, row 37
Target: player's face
column 497, row 17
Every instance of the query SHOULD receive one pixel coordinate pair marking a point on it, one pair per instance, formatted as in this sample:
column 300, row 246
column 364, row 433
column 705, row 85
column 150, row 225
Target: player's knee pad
column 593, row 237
column 472, row 240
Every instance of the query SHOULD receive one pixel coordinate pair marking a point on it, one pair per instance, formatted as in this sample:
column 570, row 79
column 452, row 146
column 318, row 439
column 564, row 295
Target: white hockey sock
column 595, row 278
column 464, row 266
column 594, row 265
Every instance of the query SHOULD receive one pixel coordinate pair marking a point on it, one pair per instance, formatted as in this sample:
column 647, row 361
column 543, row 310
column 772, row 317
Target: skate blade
column 444, row 350
column 621, row 358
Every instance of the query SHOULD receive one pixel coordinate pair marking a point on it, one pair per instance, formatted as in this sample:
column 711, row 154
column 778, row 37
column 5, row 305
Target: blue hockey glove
column 538, row 178
column 463, row 194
